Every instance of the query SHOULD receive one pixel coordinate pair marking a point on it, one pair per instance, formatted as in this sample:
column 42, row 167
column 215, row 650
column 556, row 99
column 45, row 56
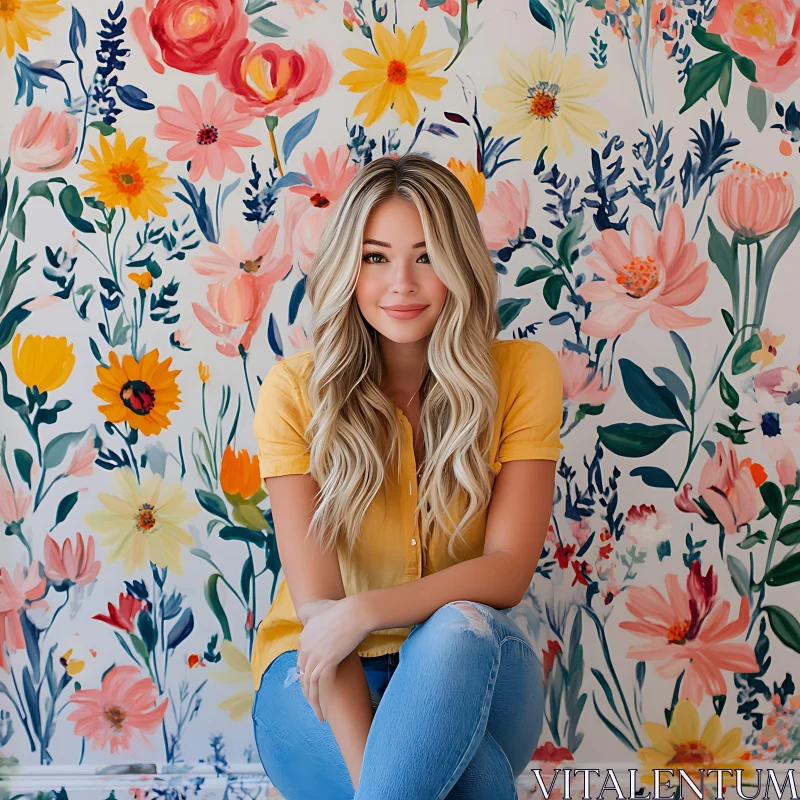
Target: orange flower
column 239, row 473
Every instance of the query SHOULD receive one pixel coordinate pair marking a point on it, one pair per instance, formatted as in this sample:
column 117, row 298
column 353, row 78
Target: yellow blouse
column 527, row 426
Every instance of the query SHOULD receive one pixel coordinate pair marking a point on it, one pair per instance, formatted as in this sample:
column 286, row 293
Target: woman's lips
column 404, row 314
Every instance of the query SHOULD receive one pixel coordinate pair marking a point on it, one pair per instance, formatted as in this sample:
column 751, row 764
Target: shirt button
column 413, row 541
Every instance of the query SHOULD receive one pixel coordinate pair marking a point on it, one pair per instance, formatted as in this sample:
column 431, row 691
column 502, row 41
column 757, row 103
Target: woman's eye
column 369, row 256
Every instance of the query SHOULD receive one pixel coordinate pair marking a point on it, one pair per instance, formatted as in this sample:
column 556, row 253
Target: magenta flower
column 205, row 134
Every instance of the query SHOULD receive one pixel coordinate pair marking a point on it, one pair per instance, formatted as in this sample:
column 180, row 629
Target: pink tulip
column 768, row 33
column 504, row 214
column 68, row 564
column 729, row 488
column 14, row 503
column 43, row 141
column 656, row 273
column 82, row 463
column 753, row 203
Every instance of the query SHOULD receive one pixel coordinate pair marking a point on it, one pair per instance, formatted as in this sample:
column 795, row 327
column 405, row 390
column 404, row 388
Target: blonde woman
column 410, row 460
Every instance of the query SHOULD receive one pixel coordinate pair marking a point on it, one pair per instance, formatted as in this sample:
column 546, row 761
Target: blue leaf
column 181, row 629
column 298, row 132
column 77, row 32
column 134, row 97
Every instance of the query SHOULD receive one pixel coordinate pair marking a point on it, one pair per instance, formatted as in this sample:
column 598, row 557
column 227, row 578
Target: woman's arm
column 516, row 526
column 313, row 575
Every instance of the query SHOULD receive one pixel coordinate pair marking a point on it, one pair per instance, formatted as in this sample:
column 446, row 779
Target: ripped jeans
column 458, row 714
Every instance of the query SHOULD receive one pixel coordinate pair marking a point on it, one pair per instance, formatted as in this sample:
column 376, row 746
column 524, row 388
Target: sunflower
column 395, row 73
column 540, row 102
column 127, row 176
column 682, row 746
column 143, row 523
column 138, row 392
column 18, row 22
column 42, row 361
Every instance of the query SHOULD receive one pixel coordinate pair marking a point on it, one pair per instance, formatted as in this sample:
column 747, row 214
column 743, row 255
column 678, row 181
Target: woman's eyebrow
column 387, row 245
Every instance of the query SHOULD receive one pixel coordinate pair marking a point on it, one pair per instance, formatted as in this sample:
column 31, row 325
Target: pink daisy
column 205, row 134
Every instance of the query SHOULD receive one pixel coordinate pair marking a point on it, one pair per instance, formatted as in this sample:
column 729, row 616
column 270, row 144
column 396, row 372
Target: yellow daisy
column 18, row 22
column 42, row 361
column 138, row 392
column 127, row 176
column 143, row 523
column 395, row 74
column 682, row 746
column 540, row 103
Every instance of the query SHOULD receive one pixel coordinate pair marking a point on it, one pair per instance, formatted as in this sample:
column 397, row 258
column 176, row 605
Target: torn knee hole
column 476, row 622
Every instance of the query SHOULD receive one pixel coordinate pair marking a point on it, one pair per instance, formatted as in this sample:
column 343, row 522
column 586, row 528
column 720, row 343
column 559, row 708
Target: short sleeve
column 532, row 422
column 279, row 427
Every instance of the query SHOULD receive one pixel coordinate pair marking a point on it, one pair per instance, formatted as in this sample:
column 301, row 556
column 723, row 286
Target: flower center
column 126, row 178
column 543, row 99
column 755, row 21
column 639, row 277
column 8, row 8
column 251, row 266
column 691, row 752
column 115, row 716
column 771, row 424
column 677, row 631
column 208, row 134
column 396, row 72
column 147, row 518
column 138, row 397
column 193, row 22
column 319, row 200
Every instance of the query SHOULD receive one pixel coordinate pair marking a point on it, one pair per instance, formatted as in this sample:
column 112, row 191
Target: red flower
column 582, row 570
column 189, row 33
column 605, row 551
column 564, row 553
column 123, row 617
column 549, row 656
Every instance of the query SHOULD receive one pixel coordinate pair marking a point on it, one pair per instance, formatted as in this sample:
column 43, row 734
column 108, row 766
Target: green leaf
column 654, row 476
column 540, row 13
column 64, row 507
column 785, row 626
column 246, row 578
column 703, row 75
column 771, row 494
column 729, row 322
column 777, row 247
column 746, row 66
column 139, row 647
column 757, row 106
column 212, row 598
column 711, row 41
column 105, row 130
column 724, row 86
column 720, row 251
column 509, row 308
column 646, row 394
column 254, row 6
column 267, row 28
column 528, row 275
column 787, row 571
column 728, row 394
column 234, row 533
column 24, row 461
column 790, row 534
column 742, row 361
column 635, row 440
column 211, row 503
column 752, row 539
column 147, row 630
column 739, row 576
column 552, row 290
column 57, row 448
column 684, row 356
column 569, row 239
column 72, row 206
column 250, row 516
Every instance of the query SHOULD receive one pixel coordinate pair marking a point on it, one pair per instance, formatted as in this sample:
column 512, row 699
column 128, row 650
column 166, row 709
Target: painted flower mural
column 170, row 167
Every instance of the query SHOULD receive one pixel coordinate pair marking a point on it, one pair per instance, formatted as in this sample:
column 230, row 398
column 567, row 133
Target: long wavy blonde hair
column 354, row 429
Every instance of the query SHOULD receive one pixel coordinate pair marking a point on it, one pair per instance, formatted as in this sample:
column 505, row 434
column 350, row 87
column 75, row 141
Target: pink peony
column 43, row 141
column 655, row 273
column 504, row 214
column 121, row 710
column 582, row 383
column 765, row 31
column 205, row 134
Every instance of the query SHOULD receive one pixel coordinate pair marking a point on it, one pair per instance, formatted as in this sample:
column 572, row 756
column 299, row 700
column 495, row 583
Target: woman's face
column 396, row 271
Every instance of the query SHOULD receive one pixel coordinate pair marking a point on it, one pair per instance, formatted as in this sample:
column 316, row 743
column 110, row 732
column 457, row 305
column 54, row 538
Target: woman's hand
column 334, row 629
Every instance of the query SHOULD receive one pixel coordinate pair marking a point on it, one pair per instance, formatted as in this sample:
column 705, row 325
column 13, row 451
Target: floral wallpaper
column 168, row 168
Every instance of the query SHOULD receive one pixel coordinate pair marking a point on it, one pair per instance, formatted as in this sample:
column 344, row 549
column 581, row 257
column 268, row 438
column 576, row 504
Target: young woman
column 387, row 665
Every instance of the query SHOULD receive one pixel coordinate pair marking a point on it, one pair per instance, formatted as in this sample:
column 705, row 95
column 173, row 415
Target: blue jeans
column 458, row 715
